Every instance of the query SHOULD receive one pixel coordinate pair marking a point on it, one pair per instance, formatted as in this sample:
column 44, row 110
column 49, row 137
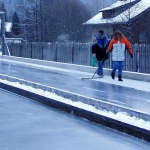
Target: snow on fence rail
column 79, row 53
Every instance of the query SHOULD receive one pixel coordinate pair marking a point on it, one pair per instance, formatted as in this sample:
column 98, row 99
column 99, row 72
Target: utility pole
column 3, row 31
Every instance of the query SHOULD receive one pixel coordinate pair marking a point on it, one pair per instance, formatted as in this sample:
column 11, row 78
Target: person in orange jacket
column 118, row 45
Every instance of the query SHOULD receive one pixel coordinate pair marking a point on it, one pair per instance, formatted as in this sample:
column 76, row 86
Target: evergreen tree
column 15, row 25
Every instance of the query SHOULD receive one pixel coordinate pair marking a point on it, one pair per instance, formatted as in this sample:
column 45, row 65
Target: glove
column 106, row 56
column 131, row 55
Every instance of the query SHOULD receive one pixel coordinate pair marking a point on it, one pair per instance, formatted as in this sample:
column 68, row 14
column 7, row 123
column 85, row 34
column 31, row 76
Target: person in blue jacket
column 99, row 48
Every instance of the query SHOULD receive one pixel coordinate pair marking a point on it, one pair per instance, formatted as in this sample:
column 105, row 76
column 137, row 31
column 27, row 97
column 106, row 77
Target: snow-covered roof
column 117, row 4
column 134, row 11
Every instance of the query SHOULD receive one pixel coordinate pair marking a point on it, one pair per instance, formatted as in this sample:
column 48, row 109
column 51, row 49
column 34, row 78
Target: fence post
column 72, row 52
column 137, row 58
column 56, row 46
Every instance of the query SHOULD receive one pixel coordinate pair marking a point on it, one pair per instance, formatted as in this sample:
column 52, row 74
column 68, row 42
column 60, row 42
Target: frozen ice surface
column 26, row 125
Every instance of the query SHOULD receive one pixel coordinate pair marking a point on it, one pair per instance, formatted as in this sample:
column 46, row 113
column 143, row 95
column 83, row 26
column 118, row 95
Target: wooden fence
column 79, row 53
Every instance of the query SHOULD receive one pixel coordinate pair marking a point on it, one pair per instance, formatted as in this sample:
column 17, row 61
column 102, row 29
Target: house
column 132, row 17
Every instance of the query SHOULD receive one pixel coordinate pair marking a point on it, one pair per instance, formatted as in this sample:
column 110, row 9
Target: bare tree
column 126, row 16
column 131, row 27
column 47, row 21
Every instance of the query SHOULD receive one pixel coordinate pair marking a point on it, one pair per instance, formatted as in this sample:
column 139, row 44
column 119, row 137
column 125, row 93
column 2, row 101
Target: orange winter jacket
column 118, row 48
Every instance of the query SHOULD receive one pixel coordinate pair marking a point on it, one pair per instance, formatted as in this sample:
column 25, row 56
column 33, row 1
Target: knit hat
column 101, row 32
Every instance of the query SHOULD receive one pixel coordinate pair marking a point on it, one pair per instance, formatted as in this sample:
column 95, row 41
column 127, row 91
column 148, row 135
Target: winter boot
column 120, row 78
column 113, row 75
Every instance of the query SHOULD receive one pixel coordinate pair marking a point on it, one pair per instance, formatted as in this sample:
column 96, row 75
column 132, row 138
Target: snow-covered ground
column 119, row 116
column 135, row 84
column 138, row 85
